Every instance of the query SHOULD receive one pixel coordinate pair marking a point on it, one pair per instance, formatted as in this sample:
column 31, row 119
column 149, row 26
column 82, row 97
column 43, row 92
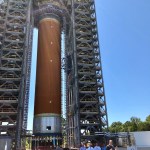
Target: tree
column 148, row 119
column 135, row 120
column 116, row 127
column 144, row 126
column 135, row 123
column 127, row 126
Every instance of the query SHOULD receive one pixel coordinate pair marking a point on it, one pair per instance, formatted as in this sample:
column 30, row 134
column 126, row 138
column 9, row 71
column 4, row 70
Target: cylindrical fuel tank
column 47, row 110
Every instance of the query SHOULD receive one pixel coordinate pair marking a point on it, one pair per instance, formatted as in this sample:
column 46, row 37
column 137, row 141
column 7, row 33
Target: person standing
column 97, row 147
column 82, row 146
column 90, row 147
column 103, row 147
column 110, row 146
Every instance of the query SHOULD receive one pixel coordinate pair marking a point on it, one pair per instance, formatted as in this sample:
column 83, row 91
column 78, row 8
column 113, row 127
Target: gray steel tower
column 86, row 104
column 15, row 59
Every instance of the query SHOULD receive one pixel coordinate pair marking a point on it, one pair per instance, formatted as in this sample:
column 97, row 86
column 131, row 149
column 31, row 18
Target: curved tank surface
column 47, row 109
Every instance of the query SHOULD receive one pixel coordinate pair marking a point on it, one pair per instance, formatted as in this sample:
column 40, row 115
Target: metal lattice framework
column 86, row 104
column 86, row 111
column 15, row 62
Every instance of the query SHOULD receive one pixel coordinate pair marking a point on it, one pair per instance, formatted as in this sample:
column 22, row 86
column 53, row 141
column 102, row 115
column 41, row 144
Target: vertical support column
column 76, row 121
column 88, row 99
column 13, row 53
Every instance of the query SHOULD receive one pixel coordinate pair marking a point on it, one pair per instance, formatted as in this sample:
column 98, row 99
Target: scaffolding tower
column 86, row 112
column 86, row 104
column 15, row 62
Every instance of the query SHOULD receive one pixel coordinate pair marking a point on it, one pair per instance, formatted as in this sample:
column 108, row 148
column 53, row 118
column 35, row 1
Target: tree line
column 134, row 124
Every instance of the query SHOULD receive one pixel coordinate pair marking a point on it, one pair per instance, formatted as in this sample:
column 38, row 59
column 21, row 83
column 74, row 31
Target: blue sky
column 124, row 35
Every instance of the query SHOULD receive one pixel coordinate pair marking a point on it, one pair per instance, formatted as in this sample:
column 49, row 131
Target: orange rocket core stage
column 48, row 76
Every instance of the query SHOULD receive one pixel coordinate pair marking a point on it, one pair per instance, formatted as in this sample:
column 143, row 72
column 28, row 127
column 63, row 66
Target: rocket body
column 47, row 110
